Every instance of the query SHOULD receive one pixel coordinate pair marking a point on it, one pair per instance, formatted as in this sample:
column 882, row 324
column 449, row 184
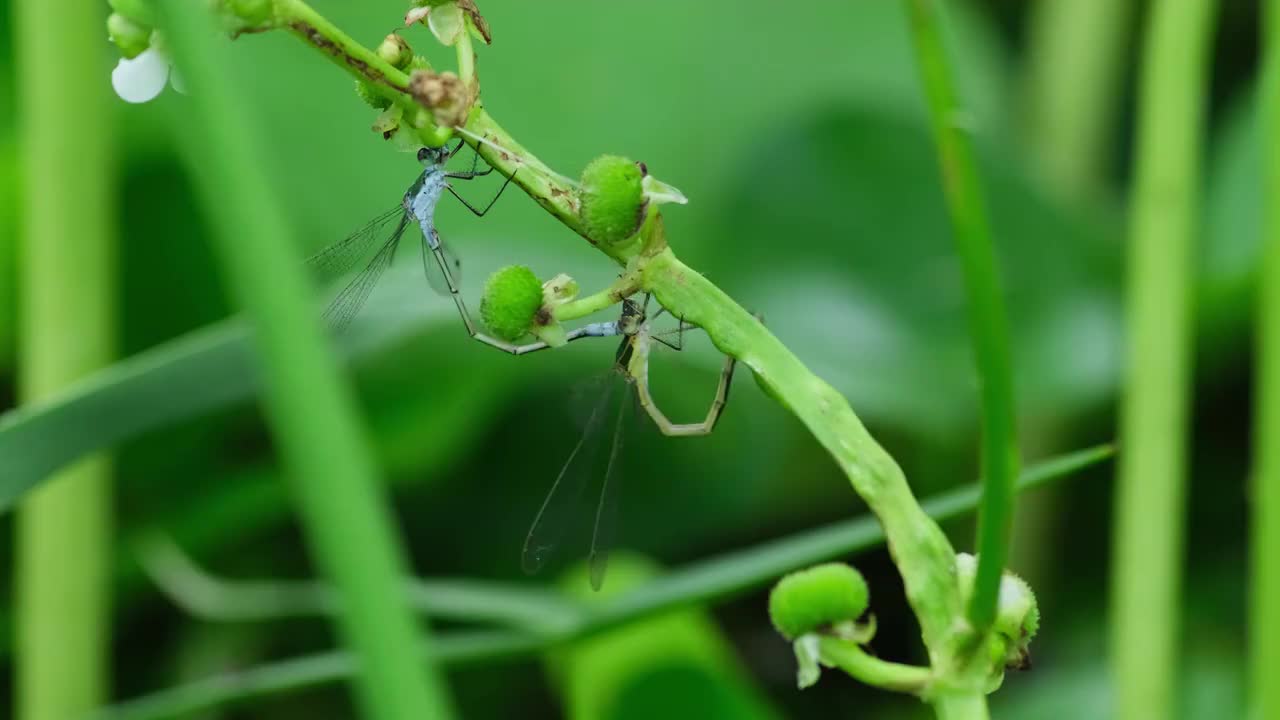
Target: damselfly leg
column 619, row 395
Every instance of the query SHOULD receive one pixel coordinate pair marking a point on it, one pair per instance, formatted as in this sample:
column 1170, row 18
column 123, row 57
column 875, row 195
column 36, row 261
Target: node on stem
column 1017, row 616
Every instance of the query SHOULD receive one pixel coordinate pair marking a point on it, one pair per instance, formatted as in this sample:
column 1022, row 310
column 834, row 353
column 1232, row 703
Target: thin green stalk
column 712, row 580
column 988, row 328
column 1149, row 523
column 1265, row 620
column 67, row 329
column 871, row 670
column 346, row 520
column 1074, row 95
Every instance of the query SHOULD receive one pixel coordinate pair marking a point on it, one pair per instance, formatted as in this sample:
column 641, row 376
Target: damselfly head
column 632, row 317
column 433, row 156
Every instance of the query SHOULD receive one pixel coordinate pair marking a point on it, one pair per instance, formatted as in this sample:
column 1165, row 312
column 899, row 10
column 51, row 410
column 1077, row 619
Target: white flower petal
column 142, row 78
column 176, row 81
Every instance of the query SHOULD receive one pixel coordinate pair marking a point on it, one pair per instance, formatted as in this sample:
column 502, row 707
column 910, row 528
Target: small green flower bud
column 613, row 199
column 131, row 37
column 395, row 51
column 139, row 11
column 250, row 12
column 817, row 598
column 1017, row 612
column 511, row 301
column 559, row 290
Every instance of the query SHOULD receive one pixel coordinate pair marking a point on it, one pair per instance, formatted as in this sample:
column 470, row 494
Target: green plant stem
column 710, row 580
column 960, row 706
column 346, row 520
column 624, row 287
column 924, row 557
column 1073, row 96
column 988, row 328
column 1149, row 523
column 63, row 541
column 1265, row 601
column 853, row 660
column 314, row 29
column 217, row 599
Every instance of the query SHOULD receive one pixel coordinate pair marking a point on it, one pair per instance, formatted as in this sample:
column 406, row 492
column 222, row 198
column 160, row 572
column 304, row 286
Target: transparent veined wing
column 589, row 463
column 380, row 237
column 340, row 257
column 611, row 488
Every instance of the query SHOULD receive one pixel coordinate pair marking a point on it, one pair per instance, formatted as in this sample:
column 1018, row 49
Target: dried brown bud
column 444, row 94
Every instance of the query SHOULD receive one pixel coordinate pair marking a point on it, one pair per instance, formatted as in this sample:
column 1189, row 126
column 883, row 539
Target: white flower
column 141, row 79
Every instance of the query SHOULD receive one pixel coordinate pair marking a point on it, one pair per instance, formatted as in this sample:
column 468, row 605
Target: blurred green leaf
column 706, row 581
column 9, row 194
column 672, row 663
column 851, row 259
column 1231, row 244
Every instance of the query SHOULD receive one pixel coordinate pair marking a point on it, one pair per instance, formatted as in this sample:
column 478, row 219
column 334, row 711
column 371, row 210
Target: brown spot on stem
column 325, row 45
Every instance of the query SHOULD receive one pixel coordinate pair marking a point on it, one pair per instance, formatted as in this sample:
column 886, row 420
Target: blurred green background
column 801, row 141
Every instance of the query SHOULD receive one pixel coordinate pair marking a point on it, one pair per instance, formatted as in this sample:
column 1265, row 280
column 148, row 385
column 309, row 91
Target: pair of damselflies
column 616, row 394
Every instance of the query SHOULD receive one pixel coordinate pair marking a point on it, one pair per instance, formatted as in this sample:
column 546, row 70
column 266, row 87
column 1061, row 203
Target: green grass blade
column 1149, row 513
column 1073, row 97
column 63, row 533
column 202, row 371
column 704, row 582
column 988, row 326
column 1265, row 551
column 335, row 483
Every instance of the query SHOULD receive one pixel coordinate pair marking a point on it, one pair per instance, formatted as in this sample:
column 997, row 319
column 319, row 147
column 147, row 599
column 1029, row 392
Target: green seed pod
column 612, row 198
column 813, row 599
column 371, row 97
column 511, row 301
column 128, row 35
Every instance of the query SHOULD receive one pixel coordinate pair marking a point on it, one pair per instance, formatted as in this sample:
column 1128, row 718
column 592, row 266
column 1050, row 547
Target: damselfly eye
column 424, row 154
column 644, row 169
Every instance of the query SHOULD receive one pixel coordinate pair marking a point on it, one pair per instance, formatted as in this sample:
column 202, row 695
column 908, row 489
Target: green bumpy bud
column 371, row 97
column 813, row 599
column 612, row 198
column 512, row 299
column 131, row 37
